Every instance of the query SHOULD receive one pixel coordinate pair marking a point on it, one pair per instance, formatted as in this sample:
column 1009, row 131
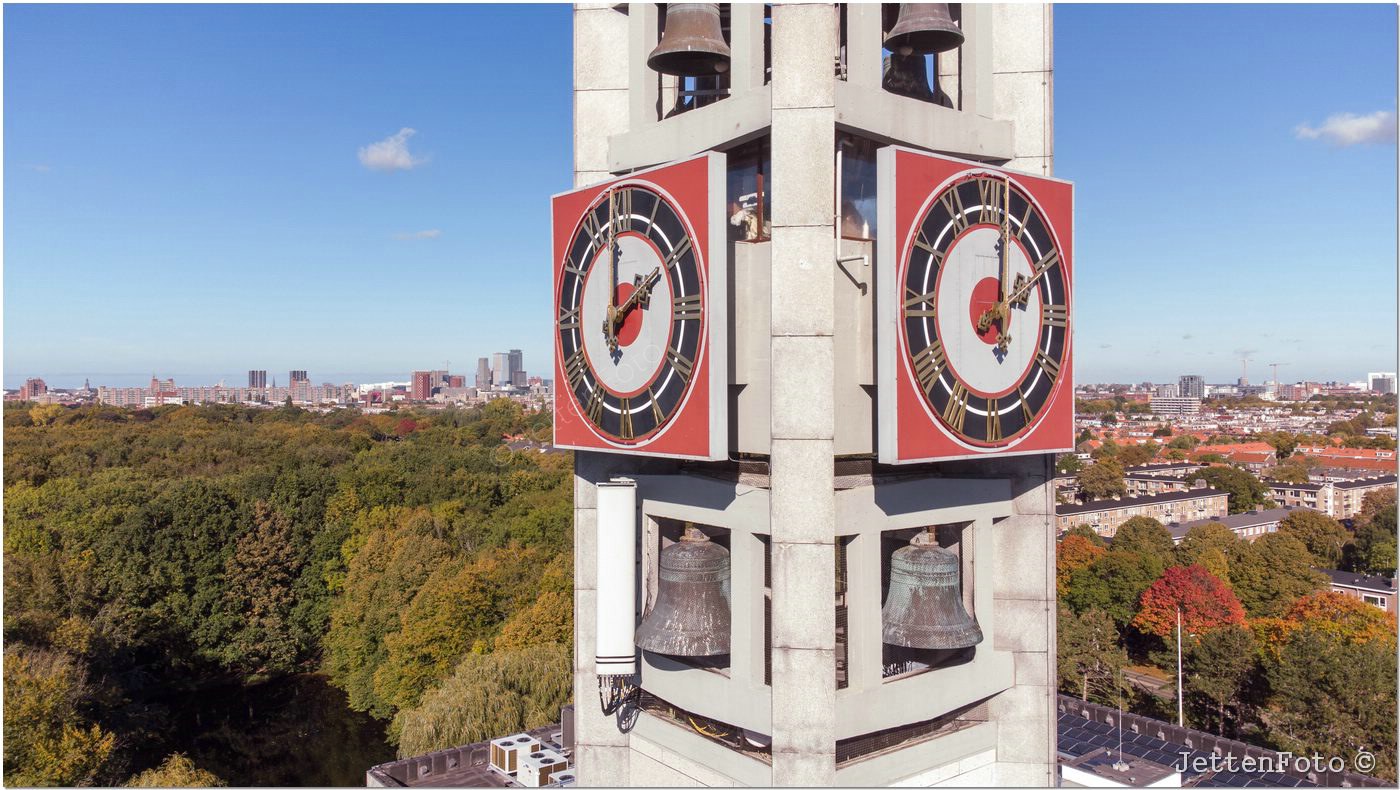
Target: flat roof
column 1252, row 518
column 1360, row 580
column 1099, row 505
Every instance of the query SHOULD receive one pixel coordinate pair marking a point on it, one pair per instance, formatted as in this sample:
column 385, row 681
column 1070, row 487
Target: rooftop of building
column 1360, row 581
column 1142, row 468
column 1365, row 482
column 461, row 766
column 1086, row 728
column 1136, row 501
column 1252, row 518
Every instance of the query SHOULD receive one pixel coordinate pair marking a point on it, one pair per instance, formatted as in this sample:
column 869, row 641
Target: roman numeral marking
column 929, row 364
column 568, row 319
column 992, row 194
column 955, row 412
column 575, row 367
column 622, row 208
column 683, row 364
column 681, row 249
column 922, row 243
column 1025, row 406
column 918, row 305
column 1051, row 258
column 625, row 431
column 952, row 203
column 1054, row 315
column 591, row 226
column 1050, row 366
column 656, row 413
column 1025, row 218
column 595, row 406
column 685, row 308
column 993, row 421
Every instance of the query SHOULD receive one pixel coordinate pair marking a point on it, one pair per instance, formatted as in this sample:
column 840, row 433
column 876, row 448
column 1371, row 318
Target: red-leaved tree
column 1205, row 601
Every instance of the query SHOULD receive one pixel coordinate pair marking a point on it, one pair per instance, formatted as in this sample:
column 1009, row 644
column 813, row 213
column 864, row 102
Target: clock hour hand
column 641, row 296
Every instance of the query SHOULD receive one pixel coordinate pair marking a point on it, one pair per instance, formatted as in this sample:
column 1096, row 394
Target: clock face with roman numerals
column 985, row 311
column 631, row 313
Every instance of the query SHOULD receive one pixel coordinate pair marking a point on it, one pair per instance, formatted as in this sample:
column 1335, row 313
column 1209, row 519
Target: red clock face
column 635, row 315
column 977, row 350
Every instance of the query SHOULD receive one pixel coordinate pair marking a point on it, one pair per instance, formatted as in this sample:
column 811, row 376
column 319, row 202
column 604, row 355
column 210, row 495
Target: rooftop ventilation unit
column 538, row 768
column 506, row 752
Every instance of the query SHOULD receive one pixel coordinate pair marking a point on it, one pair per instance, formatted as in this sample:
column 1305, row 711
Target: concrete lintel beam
column 897, row 119
column 721, row 125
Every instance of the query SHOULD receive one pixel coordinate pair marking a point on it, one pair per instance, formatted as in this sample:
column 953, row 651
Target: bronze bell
column 691, row 614
column 923, row 29
column 692, row 43
column 924, row 608
column 907, row 75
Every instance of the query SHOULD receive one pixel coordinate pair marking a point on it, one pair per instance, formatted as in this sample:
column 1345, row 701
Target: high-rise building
column 421, row 387
column 808, row 552
column 1167, row 390
column 483, row 374
column 456, row 382
column 500, row 369
column 1380, row 382
column 518, row 378
column 297, row 375
column 33, row 388
column 517, row 365
column 257, row 379
column 1192, row 387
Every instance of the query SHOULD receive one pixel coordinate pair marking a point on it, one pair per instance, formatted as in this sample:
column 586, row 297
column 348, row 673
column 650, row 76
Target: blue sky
column 196, row 190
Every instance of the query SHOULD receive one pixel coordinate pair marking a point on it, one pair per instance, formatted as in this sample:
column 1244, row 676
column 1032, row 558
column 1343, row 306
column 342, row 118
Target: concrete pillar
column 803, row 506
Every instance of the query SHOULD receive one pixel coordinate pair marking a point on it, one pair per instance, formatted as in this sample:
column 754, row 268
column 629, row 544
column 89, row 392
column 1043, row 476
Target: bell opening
column 927, row 614
column 688, row 576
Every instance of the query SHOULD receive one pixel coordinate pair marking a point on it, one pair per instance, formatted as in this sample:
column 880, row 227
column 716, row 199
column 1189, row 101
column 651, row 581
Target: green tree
column 384, row 576
column 1090, row 654
column 1138, row 454
column 1102, row 480
column 1068, row 464
column 1271, row 573
column 258, row 596
column 1327, row 695
column 1324, row 536
column 48, row 739
column 1218, row 667
column 1087, row 532
column 1202, row 538
column 1185, row 442
column 1245, row 489
column 1145, row 535
column 177, row 771
column 487, row 695
column 1113, row 583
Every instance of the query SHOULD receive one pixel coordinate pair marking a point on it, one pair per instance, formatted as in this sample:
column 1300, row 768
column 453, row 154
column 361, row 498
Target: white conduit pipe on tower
column 616, row 653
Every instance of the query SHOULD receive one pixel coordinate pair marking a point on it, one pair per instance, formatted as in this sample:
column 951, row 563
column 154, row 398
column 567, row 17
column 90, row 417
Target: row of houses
column 1340, row 499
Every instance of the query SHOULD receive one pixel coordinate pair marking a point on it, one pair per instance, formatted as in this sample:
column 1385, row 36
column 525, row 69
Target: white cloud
column 1350, row 129
column 432, row 233
column 391, row 153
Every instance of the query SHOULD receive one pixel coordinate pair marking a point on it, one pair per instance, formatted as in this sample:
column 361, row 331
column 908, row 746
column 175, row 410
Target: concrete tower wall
column 1006, row 94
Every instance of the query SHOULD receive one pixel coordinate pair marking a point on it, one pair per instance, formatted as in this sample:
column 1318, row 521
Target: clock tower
column 813, row 321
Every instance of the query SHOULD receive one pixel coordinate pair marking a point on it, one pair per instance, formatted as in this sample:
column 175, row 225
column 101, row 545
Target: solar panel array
column 1079, row 736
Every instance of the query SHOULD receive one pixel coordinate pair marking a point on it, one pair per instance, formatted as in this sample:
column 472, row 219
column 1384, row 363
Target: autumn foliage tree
column 1205, row 603
column 1074, row 552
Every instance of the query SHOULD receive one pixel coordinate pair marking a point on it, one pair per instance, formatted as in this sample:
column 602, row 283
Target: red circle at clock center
column 631, row 325
column 984, row 297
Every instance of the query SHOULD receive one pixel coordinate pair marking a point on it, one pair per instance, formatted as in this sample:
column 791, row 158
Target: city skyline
column 327, row 206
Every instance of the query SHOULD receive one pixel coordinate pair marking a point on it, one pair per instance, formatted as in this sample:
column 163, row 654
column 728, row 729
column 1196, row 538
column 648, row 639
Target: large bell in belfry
column 691, row 615
column 924, row 607
column 692, row 43
column 924, row 29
